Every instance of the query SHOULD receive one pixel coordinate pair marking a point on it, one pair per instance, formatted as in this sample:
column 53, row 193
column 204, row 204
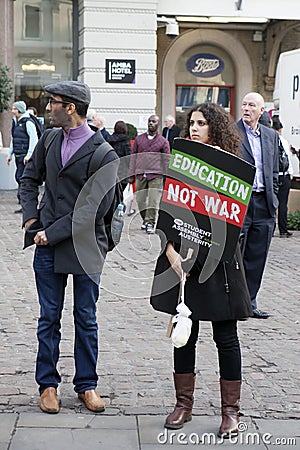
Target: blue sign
column 205, row 65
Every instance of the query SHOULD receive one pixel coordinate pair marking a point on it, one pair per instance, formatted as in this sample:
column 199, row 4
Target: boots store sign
column 120, row 70
column 205, row 65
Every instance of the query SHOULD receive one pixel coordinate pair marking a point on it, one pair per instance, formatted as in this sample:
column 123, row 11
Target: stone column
column 7, row 59
column 119, row 31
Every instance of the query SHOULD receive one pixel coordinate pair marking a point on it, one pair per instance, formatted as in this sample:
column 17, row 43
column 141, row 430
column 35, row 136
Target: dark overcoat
column 224, row 296
column 174, row 132
column 70, row 211
column 121, row 144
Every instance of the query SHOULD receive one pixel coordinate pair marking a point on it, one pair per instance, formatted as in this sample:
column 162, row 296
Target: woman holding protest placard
column 221, row 298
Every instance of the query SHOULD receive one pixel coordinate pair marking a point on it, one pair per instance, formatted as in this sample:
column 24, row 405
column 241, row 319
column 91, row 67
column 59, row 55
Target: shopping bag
column 182, row 330
column 128, row 198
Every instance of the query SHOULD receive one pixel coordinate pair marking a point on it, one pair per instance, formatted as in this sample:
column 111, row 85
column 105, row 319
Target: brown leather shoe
column 49, row 403
column 92, row 400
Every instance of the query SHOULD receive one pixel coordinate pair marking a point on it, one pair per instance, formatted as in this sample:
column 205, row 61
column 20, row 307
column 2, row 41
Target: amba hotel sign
column 120, row 70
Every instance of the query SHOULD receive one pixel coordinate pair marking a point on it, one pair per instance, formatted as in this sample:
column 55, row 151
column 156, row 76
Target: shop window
column 32, row 22
column 189, row 95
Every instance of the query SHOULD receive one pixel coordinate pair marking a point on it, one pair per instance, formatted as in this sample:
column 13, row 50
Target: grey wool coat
column 70, row 212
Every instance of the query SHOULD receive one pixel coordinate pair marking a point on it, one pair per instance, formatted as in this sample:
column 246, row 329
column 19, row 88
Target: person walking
column 284, row 180
column 171, row 130
column 260, row 148
column 23, row 140
column 148, row 163
column 62, row 163
column 222, row 299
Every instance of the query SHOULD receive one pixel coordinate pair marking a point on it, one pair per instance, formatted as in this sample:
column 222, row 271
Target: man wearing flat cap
column 23, row 140
column 69, row 233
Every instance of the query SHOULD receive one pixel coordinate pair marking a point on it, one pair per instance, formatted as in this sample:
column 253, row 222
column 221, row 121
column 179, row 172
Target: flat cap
column 75, row 90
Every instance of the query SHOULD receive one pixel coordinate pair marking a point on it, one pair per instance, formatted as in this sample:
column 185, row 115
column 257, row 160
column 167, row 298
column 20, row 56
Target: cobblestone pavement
column 135, row 360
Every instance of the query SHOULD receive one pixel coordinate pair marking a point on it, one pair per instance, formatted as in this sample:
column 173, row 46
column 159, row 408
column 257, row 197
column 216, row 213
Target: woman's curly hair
column 222, row 132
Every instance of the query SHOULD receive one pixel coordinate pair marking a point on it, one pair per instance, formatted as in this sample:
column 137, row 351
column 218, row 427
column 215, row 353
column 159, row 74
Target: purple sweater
column 73, row 140
column 150, row 157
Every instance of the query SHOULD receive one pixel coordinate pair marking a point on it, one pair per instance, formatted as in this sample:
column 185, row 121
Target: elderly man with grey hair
column 99, row 121
column 171, row 130
column 260, row 148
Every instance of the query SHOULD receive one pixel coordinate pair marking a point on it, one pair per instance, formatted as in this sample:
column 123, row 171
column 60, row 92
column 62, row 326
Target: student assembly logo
column 193, row 233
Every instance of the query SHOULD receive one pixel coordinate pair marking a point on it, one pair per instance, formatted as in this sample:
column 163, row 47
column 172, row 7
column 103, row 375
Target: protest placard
column 205, row 198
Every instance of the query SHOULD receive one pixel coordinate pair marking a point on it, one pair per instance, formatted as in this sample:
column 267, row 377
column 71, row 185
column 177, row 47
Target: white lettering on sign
column 220, row 208
column 203, row 65
column 183, row 195
column 192, row 233
column 216, row 179
column 121, row 67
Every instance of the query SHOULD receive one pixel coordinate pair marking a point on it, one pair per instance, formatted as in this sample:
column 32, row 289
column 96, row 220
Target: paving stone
column 41, row 420
column 283, row 428
column 62, row 439
column 7, row 425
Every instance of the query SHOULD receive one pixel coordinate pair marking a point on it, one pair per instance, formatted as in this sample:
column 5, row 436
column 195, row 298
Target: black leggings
column 229, row 353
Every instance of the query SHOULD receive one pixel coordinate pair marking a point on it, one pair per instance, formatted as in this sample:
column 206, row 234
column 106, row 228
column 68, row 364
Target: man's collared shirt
column 255, row 144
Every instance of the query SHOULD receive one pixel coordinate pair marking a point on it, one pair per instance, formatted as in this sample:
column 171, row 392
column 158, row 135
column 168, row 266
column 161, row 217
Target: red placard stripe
column 205, row 202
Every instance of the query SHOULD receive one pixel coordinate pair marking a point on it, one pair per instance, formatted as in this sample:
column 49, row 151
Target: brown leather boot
column 230, row 397
column 184, row 387
column 49, row 403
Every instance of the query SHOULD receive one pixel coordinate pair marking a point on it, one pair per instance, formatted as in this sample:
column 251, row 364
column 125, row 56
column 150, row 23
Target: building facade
column 146, row 56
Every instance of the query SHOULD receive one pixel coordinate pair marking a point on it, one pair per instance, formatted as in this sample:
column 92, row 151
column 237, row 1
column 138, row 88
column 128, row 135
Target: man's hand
column 8, row 160
column 41, row 238
column 26, row 159
column 131, row 179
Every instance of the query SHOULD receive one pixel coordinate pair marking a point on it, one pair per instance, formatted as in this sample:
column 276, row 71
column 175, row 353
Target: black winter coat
column 174, row 132
column 224, row 296
column 121, row 144
column 62, row 212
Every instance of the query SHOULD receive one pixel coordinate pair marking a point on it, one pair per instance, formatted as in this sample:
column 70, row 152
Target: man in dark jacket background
column 171, row 130
column 260, row 148
column 98, row 121
column 69, row 233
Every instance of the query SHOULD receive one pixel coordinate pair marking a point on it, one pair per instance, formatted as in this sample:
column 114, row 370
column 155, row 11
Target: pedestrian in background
column 148, row 163
column 212, row 301
column 120, row 141
column 62, row 165
column 265, row 119
column 284, row 181
column 171, row 130
column 23, row 140
column 33, row 111
column 260, row 148
column 98, row 121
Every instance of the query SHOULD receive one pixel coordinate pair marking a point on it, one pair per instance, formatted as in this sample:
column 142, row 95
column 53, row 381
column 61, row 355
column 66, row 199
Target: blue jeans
column 51, row 293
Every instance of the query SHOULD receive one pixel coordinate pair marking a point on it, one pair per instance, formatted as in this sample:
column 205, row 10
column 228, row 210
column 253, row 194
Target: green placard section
column 210, row 176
